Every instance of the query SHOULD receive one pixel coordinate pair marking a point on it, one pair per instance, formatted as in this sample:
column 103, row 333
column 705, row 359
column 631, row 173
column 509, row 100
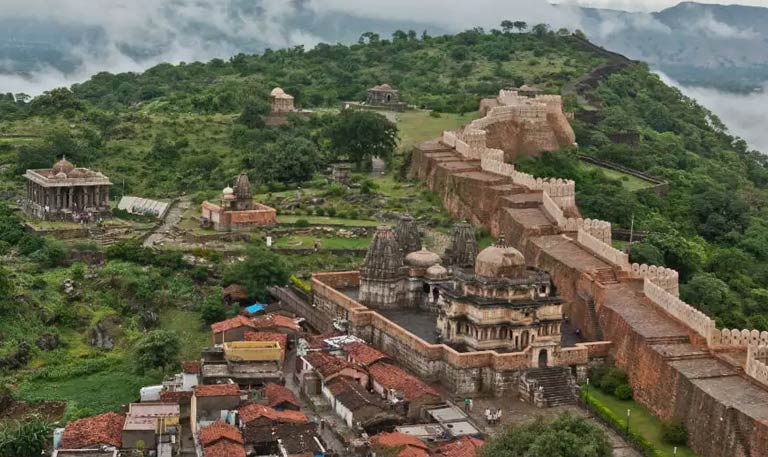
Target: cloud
column 744, row 114
column 708, row 25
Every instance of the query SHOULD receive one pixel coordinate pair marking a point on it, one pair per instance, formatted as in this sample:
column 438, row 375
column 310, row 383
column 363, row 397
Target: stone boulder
column 47, row 341
column 106, row 332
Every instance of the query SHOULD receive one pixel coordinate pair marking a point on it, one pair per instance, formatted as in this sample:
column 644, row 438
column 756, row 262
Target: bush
column 674, row 433
column 331, row 212
column 611, row 379
column 301, row 223
column 623, row 392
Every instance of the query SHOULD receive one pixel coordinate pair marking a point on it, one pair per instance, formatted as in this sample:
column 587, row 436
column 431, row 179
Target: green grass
column 194, row 335
column 418, row 126
column 307, row 242
column 641, row 420
column 324, row 220
column 631, row 183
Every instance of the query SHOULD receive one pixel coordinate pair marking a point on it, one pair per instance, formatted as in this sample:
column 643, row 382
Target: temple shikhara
column 236, row 210
column 66, row 192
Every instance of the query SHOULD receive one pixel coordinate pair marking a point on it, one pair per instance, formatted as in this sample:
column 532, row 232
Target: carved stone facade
column 407, row 234
column 383, row 271
column 463, row 249
column 501, row 305
column 236, row 210
column 65, row 192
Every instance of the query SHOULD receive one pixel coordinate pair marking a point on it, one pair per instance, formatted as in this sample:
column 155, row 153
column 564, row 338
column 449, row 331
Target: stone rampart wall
column 740, row 338
column 595, row 227
column 666, row 278
column 757, row 363
column 683, row 312
column 553, row 211
column 606, row 252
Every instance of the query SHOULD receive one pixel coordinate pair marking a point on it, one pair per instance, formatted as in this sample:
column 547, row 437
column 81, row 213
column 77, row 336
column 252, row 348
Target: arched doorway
column 435, row 294
column 524, row 340
column 543, row 358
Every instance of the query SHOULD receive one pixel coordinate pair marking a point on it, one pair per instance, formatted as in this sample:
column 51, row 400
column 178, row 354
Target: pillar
column 71, row 199
column 97, row 201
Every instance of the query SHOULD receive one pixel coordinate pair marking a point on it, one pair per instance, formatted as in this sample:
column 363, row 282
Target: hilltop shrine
column 236, row 210
column 65, row 192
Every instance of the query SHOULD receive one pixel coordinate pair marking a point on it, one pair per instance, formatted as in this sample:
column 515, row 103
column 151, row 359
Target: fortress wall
column 666, row 278
column 611, row 255
column 757, row 363
column 683, row 312
column 597, row 228
column 739, row 338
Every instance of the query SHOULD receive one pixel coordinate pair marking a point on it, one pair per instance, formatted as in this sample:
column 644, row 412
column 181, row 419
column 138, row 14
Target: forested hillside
column 189, row 129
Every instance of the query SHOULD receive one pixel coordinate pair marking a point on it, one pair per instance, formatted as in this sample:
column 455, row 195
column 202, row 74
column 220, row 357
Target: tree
column 520, row 26
column 507, row 26
column 540, row 30
column 253, row 114
column 361, row 135
column 158, row 348
column 290, row 159
column 212, row 309
column 260, row 269
column 566, row 436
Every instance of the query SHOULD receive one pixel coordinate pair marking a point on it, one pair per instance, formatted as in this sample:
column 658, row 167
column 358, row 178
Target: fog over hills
column 49, row 43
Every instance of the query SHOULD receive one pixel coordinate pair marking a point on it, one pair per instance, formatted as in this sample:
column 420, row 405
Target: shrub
column 320, row 212
column 301, row 223
column 435, row 114
column 674, row 433
column 623, row 392
column 331, row 212
column 611, row 379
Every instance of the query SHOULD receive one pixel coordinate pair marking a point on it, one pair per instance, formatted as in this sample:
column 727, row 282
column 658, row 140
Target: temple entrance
column 435, row 294
column 543, row 358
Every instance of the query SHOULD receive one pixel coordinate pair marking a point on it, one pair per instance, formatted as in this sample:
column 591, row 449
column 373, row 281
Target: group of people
column 492, row 416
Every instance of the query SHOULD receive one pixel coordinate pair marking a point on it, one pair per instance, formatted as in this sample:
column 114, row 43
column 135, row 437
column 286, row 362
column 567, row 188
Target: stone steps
column 554, row 384
column 678, row 339
column 606, row 276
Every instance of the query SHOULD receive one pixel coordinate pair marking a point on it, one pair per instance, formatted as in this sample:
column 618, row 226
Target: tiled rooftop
column 277, row 395
column 253, row 411
column 230, row 324
column 91, row 431
column 392, row 377
column 216, row 390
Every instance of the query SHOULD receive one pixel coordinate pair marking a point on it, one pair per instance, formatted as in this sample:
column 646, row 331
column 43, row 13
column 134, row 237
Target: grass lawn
column 418, row 126
column 97, row 392
column 641, row 420
column 307, row 242
column 194, row 335
column 631, row 183
column 324, row 220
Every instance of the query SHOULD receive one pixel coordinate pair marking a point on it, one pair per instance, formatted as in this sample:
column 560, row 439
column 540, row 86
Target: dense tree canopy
column 361, row 135
column 157, row 349
column 566, row 436
column 260, row 269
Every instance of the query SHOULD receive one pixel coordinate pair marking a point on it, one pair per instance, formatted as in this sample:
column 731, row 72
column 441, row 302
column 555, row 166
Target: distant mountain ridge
column 723, row 46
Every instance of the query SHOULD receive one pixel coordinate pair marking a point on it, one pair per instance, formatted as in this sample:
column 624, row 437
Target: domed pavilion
column 66, row 192
column 501, row 304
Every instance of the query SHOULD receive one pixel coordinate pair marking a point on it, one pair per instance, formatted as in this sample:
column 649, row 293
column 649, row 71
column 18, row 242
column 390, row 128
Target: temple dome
column 76, row 173
column 61, row 175
column 62, row 166
column 227, row 191
column 500, row 261
column 422, row 259
column 437, row 272
column 277, row 92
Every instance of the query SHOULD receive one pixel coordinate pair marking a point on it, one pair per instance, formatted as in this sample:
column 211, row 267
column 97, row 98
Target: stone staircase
column 606, row 276
column 549, row 387
column 101, row 236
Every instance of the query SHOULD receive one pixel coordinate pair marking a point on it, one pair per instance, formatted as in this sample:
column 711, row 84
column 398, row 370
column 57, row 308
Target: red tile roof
column 253, row 411
column 411, row 446
column 395, row 378
column 318, row 341
column 224, row 449
column 192, row 367
column 230, row 324
column 326, row 364
column 363, row 354
column 219, row 431
column 281, row 338
column 466, row 446
column 275, row 320
column 277, row 394
column 175, row 396
column 91, row 431
column 216, row 390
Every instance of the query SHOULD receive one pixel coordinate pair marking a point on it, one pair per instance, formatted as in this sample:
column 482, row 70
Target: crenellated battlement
column 595, row 227
column 757, row 363
column 680, row 310
column 743, row 338
column 666, row 278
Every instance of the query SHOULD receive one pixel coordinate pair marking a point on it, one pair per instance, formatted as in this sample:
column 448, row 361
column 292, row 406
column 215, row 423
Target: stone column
column 98, row 197
column 71, row 202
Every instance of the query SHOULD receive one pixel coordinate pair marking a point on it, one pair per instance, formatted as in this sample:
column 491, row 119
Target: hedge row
column 619, row 424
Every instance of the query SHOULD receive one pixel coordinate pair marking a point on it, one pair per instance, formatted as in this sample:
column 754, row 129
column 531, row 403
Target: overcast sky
column 653, row 5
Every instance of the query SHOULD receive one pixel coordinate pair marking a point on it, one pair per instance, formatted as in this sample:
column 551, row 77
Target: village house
column 220, row 439
column 319, row 368
column 260, row 423
column 360, row 409
column 279, row 338
column 233, row 329
column 152, row 425
column 465, row 446
column 404, row 445
column 178, row 397
column 249, row 364
column 277, row 323
column 280, row 397
column 208, row 403
column 403, row 389
column 361, row 354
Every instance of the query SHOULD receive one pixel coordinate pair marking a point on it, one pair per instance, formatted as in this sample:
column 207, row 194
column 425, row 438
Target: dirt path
column 171, row 220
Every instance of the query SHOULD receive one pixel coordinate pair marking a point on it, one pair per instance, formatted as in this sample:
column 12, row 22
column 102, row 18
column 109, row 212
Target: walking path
column 170, row 221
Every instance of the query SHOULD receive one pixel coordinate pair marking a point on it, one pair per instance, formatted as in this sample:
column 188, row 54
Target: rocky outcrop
column 106, row 332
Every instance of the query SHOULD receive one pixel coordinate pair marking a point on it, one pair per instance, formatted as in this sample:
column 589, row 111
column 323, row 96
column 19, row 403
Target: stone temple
column 236, row 211
column 65, row 192
column 385, row 96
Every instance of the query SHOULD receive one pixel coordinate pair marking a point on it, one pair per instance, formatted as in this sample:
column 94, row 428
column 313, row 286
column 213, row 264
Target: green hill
column 188, row 129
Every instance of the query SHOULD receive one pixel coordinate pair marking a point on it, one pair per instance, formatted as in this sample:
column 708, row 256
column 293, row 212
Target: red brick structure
column 236, row 211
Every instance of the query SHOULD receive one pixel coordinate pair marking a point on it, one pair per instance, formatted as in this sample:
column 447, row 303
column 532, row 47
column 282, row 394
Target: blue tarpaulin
column 253, row 309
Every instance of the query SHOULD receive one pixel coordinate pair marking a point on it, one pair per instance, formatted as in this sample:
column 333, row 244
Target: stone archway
column 543, row 358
